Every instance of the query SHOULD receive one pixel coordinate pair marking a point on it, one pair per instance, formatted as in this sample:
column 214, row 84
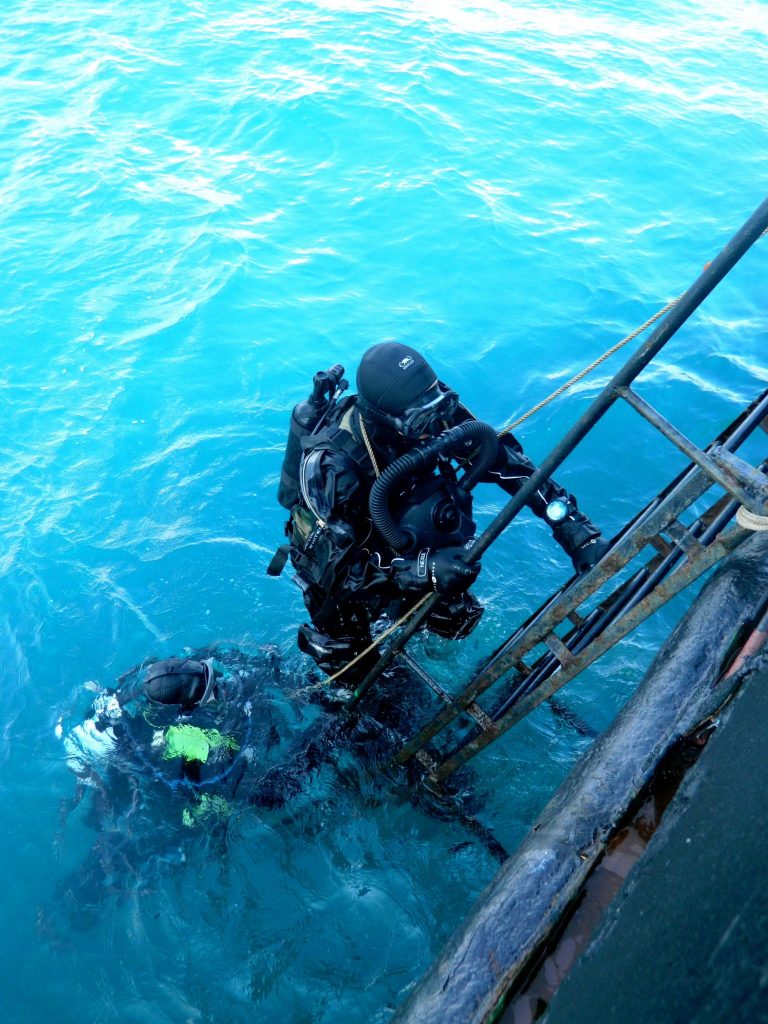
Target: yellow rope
column 590, row 368
column 369, row 447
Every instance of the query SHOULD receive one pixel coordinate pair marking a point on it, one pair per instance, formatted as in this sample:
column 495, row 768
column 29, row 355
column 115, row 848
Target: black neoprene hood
column 175, row 681
column 391, row 376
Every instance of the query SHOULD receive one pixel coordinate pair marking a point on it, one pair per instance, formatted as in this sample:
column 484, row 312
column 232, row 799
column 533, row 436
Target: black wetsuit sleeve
column 511, row 470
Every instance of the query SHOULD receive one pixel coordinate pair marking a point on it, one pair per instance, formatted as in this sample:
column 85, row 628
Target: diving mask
column 427, row 412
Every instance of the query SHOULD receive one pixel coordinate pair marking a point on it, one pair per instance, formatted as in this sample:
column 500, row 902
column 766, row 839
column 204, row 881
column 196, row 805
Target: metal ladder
column 689, row 551
column 680, row 556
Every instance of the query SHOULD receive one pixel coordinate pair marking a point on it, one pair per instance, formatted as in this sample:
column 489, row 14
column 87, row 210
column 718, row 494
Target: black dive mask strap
column 383, row 419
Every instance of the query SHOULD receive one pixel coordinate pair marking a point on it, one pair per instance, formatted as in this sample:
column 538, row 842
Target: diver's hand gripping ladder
column 701, row 546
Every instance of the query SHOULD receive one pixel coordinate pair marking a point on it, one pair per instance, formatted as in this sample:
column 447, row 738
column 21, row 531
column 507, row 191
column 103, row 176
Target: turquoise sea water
column 202, row 203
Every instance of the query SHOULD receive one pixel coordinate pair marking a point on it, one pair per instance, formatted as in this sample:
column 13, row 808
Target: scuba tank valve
column 307, row 417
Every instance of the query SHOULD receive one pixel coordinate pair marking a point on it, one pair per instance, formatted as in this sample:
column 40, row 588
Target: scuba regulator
column 306, row 418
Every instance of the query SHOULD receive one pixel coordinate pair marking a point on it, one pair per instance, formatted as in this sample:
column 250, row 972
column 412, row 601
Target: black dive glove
column 443, row 570
column 580, row 539
column 589, row 554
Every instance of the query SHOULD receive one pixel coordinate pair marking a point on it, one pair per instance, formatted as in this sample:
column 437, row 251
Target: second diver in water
column 182, row 746
column 202, row 729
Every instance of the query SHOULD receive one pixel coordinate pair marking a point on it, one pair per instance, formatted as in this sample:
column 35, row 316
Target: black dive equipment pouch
column 306, row 418
column 436, row 510
column 435, row 513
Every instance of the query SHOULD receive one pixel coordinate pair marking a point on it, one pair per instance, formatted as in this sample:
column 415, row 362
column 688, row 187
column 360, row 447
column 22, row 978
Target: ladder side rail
column 678, row 582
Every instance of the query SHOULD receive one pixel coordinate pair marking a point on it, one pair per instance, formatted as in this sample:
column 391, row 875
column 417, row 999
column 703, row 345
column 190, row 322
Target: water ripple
column 201, row 207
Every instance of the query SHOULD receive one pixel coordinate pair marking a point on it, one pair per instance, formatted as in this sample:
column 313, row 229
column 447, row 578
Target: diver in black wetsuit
column 167, row 756
column 200, row 729
column 348, row 572
column 177, row 747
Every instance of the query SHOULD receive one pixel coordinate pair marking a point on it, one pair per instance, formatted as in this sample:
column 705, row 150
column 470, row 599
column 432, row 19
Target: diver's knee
column 331, row 654
column 455, row 618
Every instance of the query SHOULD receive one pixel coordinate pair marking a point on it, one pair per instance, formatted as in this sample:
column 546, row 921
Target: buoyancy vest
column 336, row 436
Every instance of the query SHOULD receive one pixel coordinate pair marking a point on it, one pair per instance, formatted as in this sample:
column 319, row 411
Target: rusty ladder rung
column 559, row 649
column 735, row 476
column 682, row 537
column 474, row 710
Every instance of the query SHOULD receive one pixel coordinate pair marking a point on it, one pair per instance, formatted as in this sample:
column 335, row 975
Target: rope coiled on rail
column 751, row 520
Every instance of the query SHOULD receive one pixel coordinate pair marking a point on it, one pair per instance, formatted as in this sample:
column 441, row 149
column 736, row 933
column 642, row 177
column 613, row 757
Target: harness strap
column 279, row 559
column 340, row 437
